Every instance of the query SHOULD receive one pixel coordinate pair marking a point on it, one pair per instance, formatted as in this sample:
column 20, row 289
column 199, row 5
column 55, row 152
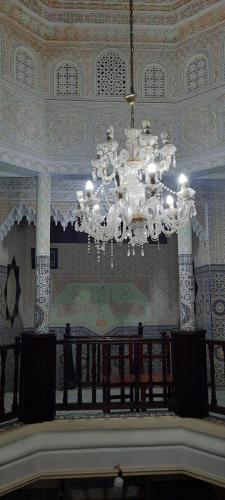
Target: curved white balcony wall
column 87, row 448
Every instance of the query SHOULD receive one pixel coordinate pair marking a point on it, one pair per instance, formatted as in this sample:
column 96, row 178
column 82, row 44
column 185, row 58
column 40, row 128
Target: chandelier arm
column 98, row 233
column 175, row 222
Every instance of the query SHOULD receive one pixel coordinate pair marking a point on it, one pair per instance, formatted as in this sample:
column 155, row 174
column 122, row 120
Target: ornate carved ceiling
column 77, row 21
column 145, row 5
column 118, row 5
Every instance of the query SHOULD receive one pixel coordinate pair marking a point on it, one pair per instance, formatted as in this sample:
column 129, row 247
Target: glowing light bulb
column 96, row 206
column 182, row 179
column 89, row 186
column 170, row 200
column 151, row 168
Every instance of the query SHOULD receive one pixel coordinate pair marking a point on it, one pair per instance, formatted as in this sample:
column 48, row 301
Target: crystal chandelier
column 130, row 202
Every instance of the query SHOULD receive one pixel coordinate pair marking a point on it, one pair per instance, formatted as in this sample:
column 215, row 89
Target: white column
column 42, row 284
column 186, row 278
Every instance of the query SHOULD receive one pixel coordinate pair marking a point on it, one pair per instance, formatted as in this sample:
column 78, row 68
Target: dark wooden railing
column 115, row 373
column 112, row 374
column 9, row 380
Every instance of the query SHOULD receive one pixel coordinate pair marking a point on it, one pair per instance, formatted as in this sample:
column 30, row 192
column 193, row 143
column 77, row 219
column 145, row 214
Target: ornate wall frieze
column 174, row 26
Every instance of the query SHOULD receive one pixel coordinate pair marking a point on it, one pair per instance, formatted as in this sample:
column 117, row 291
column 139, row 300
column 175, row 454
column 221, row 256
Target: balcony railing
column 113, row 374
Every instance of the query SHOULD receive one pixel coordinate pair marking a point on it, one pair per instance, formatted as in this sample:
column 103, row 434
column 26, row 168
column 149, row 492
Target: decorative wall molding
column 59, row 25
column 16, row 215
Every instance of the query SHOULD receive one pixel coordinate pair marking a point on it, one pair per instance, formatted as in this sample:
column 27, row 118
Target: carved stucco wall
column 59, row 134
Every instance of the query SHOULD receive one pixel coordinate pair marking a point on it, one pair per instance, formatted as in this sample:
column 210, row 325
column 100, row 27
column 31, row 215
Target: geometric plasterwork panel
column 199, row 127
column 111, row 74
column 197, row 73
column 154, row 81
column 24, row 67
column 22, row 122
column 67, row 79
column 67, row 130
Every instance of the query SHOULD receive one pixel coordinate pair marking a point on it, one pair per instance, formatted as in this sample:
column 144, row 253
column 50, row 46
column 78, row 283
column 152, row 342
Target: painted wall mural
column 101, row 306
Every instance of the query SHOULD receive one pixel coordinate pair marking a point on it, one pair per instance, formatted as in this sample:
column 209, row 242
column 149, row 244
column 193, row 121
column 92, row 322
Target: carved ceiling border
column 168, row 30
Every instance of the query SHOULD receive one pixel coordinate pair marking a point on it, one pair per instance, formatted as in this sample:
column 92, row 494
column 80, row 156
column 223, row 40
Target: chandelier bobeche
column 130, row 202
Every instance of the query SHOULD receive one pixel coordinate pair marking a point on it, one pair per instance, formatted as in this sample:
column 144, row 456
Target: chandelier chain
column 131, row 47
column 131, row 10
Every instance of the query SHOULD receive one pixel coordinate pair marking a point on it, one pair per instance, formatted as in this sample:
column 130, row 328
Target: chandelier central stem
column 131, row 47
column 130, row 99
column 131, row 61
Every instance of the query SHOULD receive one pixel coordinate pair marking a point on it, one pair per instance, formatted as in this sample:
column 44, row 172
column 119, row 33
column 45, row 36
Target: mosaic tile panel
column 42, row 294
column 210, row 308
column 210, row 302
column 187, row 296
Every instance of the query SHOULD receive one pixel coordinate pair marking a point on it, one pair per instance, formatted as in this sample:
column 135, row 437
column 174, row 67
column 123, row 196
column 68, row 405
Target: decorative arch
column 67, row 79
column 17, row 214
column 110, row 74
column 25, row 67
column 64, row 219
column 197, row 73
column 154, row 81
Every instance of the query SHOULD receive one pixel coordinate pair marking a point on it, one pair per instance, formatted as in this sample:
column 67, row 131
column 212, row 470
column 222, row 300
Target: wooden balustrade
column 116, row 373
column 112, row 374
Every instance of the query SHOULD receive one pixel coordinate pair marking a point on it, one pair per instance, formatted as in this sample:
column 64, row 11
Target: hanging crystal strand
column 89, row 244
column 103, row 247
column 96, row 248
column 142, row 251
column 112, row 254
column 98, row 252
column 133, row 251
column 128, row 250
